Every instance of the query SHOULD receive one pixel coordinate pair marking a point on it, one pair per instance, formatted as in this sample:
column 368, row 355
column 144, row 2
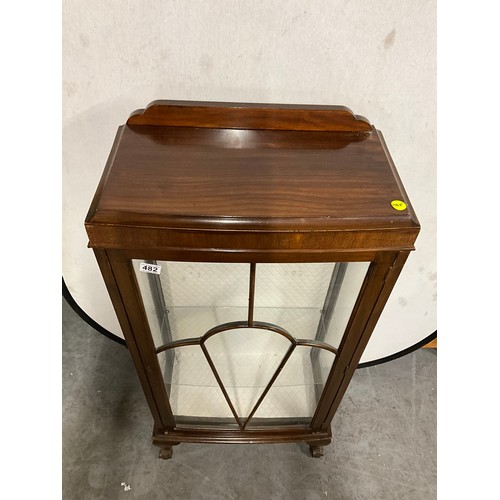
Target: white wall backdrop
column 378, row 58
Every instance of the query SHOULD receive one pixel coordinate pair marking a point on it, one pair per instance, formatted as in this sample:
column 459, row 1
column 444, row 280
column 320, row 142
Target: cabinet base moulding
column 315, row 440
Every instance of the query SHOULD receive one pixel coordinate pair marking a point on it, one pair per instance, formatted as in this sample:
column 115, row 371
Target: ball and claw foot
column 316, row 451
column 166, row 453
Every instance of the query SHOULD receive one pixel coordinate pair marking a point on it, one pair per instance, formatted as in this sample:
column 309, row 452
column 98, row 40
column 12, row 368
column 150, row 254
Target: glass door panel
column 247, row 344
column 296, row 391
column 309, row 300
column 192, row 388
column 246, row 359
column 188, row 298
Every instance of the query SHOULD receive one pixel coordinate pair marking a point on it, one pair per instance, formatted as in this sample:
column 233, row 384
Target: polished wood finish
column 250, row 116
column 255, row 245
column 128, row 332
column 299, row 190
column 132, row 304
column 233, row 182
column 276, row 434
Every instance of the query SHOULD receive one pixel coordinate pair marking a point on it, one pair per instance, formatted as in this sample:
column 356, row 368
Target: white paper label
column 149, row 268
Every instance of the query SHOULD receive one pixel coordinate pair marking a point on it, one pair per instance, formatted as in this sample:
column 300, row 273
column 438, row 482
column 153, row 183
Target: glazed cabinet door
column 242, row 345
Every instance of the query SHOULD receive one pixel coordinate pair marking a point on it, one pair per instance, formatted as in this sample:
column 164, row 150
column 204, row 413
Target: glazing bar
column 251, row 294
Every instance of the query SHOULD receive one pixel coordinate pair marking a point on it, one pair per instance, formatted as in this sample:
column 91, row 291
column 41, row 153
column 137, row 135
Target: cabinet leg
column 166, row 451
column 316, row 448
column 316, row 451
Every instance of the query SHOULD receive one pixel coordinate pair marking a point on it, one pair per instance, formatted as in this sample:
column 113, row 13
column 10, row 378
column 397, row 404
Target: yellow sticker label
column 398, row 204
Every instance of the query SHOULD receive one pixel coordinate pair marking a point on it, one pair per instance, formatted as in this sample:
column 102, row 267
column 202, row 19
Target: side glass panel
column 245, row 345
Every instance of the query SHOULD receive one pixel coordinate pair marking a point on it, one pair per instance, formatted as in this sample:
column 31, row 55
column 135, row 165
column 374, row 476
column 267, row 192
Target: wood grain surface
column 250, row 116
column 255, row 176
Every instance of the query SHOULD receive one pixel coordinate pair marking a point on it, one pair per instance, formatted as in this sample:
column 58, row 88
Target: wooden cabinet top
column 230, row 166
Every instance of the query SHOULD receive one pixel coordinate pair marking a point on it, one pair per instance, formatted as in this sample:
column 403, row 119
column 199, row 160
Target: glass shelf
column 196, row 321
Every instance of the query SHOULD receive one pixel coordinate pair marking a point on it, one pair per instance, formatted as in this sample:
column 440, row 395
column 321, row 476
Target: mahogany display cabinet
column 248, row 250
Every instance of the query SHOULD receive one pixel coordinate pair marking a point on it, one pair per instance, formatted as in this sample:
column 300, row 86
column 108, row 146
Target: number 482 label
column 149, row 268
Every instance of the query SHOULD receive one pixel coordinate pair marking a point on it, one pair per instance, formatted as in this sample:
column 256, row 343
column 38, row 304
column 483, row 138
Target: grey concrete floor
column 384, row 443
